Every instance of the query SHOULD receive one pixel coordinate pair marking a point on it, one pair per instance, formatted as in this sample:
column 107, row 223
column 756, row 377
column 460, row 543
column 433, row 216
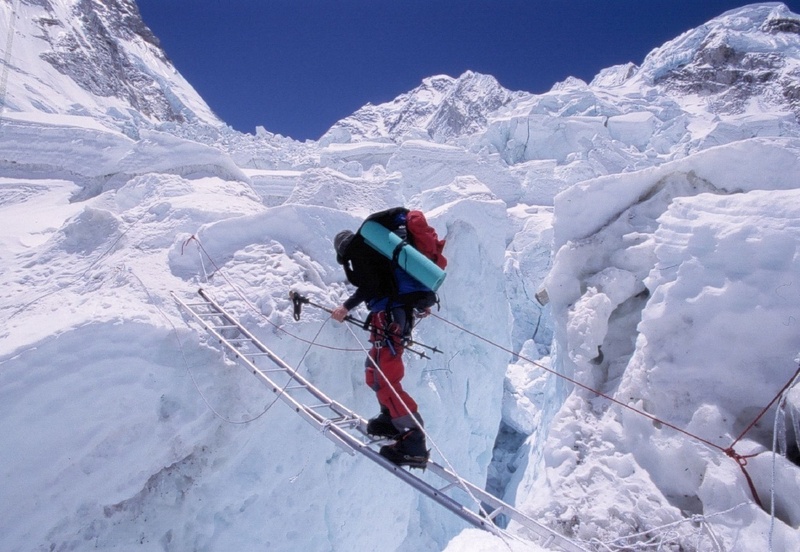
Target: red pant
column 391, row 364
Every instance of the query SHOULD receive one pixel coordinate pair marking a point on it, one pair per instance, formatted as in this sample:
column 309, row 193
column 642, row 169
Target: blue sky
column 296, row 67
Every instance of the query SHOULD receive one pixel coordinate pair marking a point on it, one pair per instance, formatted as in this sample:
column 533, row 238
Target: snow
column 628, row 261
column 33, row 211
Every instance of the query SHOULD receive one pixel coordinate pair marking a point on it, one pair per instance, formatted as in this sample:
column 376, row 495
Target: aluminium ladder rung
column 495, row 512
column 448, row 486
column 322, row 405
column 342, row 420
column 272, row 370
column 197, row 305
column 204, row 306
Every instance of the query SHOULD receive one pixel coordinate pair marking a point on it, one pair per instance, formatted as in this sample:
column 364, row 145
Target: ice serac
column 678, row 279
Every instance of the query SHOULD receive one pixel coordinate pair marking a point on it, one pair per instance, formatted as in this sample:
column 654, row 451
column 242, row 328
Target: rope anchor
column 741, row 459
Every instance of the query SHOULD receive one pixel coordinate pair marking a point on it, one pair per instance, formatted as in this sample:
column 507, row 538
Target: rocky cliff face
column 745, row 56
column 96, row 58
column 92, row 56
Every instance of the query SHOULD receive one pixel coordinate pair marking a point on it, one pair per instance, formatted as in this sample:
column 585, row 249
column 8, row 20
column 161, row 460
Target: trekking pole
column 298, row 301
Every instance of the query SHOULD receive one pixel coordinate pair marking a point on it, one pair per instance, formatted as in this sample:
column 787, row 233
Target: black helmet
column 340, row 244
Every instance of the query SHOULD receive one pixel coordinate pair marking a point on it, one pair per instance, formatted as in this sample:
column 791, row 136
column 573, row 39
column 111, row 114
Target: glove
column 339, row 313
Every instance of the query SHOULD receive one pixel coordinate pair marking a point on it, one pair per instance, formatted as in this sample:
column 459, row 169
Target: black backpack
column 403, row 288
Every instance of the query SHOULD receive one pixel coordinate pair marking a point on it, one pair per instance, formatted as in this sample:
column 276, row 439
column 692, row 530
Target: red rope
column 741, row 460
column 766, row 408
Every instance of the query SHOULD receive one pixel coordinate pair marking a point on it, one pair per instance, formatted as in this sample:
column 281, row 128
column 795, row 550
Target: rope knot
column 741, row 459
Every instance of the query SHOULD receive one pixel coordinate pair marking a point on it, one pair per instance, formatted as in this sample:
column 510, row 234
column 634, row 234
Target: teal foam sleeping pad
column 417, row 265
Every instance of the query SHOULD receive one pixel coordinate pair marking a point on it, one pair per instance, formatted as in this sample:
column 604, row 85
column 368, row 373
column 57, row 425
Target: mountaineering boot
column 382, row 426
column 409, row 450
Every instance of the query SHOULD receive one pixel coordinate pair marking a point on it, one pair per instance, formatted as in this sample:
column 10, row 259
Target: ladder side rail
column 495, row 503
column 542, row 531
column 417, row 483
column 298, row 407
column 351, row 444
column 337, row 407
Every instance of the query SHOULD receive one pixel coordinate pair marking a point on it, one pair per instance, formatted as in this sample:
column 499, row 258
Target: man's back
column 369, row 271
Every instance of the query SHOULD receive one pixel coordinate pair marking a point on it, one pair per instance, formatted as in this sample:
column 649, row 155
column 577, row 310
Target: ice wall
column 670, row 293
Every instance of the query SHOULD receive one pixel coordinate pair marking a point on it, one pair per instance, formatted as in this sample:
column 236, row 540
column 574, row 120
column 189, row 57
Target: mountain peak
column 744, row 53
column 442, row 107
column 98, row 59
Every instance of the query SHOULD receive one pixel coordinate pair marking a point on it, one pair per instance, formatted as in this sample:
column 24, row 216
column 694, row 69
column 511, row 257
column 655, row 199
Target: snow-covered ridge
column 442, row 109
column 97, row 59
column 659, row 218
column 745, row 57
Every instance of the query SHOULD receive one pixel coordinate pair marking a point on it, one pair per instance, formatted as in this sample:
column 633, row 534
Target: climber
column 394, row 299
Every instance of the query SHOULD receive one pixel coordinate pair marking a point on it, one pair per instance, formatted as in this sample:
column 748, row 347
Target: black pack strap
column 396, row 252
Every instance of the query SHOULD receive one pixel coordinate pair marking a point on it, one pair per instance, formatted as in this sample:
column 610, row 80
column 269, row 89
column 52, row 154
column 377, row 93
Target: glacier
column 626, row 250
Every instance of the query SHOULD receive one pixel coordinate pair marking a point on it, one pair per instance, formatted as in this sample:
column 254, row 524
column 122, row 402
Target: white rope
column 712, row 535
column 202, row 265
column 612, row 545
column 462, row 484
column 780, row 415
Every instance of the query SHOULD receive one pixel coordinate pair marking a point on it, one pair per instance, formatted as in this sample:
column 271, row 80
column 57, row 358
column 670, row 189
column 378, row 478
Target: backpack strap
column 396, row 253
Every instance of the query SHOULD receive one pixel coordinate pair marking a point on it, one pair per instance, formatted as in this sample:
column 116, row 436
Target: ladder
column 347, row 430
